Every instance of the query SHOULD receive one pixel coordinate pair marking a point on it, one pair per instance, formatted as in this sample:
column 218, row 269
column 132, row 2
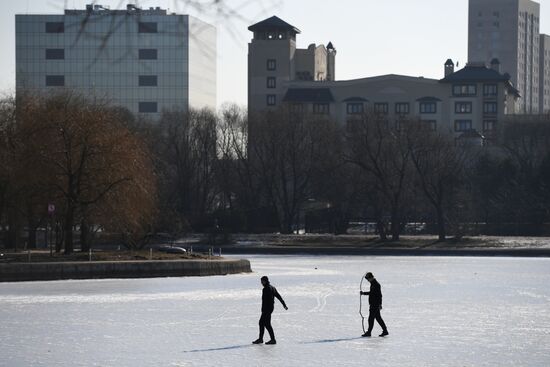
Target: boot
column 366, row 335
column 384, row 333
column 258, row 341
column 271, row 342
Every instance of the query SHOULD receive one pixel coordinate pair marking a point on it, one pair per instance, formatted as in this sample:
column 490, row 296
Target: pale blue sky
column 372, row 37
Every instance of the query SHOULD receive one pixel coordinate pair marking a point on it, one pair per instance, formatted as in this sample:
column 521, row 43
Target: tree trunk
column 84, row 236
column 58, row 238
column 69, row 224
column 14, row 235
column 395, row 226
column 381, row 229
column 441, row 224
column 31, row 243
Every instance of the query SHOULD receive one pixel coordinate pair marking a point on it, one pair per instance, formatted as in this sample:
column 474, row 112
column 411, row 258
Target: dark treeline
column 282, row 170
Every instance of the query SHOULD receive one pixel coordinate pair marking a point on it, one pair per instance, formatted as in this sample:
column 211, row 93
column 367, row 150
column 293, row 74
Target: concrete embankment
column 14, row 272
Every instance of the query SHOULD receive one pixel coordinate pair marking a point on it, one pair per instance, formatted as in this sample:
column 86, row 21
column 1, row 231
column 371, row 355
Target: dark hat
column 369, row 275
column 265, row 278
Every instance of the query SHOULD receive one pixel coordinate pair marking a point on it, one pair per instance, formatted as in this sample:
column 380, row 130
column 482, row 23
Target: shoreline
column 355, row 251
column 44, row 271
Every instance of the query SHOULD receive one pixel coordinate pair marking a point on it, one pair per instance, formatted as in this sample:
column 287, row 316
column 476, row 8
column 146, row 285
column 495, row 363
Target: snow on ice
column 440, row 311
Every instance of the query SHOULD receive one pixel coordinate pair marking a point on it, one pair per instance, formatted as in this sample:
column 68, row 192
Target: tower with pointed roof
column 274, row 61
column 270, row 61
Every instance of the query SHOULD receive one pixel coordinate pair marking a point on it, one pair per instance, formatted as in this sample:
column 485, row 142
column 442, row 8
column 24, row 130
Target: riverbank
column 364, row 245
column 14, row 272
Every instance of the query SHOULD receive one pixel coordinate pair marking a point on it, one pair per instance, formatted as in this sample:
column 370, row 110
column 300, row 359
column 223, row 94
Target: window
column 148, row 54
column 147, row 80
column 354, row 108
column 429, row 125
column 402, row 108
column 489, row 125
column 321, row 108
column 55, row 27
column 55, row 54
column 148, row 107
column 271, row 82
column 55, row 80
column 490, row 90
column 271, row 64
column 464, row 90
column 490, row 107
column 147, row 27
column 428, row 107
column 463, row 107
column 381, row 108
column 271, row 100
column 463, row 125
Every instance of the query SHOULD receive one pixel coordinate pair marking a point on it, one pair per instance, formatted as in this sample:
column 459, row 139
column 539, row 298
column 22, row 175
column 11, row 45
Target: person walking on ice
column 269, row 293
column 375, row 305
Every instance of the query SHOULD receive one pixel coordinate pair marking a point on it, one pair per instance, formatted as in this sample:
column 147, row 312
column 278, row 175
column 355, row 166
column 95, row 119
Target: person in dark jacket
column 375, row 305
column 269, row 293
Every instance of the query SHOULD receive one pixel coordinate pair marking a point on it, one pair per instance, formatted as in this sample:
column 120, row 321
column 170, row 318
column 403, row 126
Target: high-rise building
column 145, row 60
column 508, row 30
column 544, row 68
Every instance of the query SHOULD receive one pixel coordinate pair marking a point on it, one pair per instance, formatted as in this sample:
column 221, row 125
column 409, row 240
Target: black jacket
column 268, row 298
column 375, row 294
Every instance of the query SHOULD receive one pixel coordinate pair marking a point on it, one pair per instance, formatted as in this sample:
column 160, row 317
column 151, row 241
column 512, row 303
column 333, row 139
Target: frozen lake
column 440, row 311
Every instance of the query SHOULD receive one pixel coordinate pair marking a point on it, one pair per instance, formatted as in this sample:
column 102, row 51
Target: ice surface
column 440, row 311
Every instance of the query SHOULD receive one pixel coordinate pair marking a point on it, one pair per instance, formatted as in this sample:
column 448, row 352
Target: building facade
column 145, row 60
column 473, row 99
column 544, row 68
column 508, row 30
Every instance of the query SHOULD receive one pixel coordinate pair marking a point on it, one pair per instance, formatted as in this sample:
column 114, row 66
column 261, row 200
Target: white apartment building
column 544, row 68
column 145, row 60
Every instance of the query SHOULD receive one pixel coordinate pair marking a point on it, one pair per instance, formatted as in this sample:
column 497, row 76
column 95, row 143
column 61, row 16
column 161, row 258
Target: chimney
column 449, row 67
column 331, row 62
column 495, row 65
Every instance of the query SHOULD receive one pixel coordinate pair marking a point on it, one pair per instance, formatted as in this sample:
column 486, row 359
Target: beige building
column 544, row 88
column 473, row 99
column 508, row 30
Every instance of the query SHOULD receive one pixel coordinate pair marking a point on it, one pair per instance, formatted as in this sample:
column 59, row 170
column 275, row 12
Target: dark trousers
column 374, row 314
column 265, row 323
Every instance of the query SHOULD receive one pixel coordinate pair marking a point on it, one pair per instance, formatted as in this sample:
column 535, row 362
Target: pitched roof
column 428, row 99
column 355, row 99
column 475, row 73
column 273, row 23
column 480, row 73
column 308, row 95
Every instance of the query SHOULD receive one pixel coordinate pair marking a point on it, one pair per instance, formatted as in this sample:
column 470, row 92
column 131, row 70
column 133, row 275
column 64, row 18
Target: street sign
column 51, row 209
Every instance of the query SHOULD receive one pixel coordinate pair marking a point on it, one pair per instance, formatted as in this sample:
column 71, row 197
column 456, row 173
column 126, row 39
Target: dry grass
column 44, row 256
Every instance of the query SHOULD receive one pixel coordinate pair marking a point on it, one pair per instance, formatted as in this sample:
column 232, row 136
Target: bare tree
column 381, row 151
column 288, row 148
column 85, row 155
column 186, row 150
column 440, row 167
